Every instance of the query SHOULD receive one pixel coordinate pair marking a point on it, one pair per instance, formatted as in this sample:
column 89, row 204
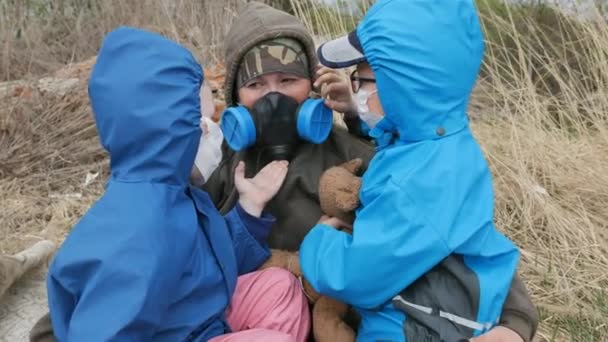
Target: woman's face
column 295, row 87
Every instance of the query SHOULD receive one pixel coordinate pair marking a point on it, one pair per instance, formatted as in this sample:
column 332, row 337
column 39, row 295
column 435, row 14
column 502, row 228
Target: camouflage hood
column 256, row 23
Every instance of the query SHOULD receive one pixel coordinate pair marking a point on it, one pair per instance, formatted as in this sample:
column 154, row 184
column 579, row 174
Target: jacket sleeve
column 120, row 295
column 348, row 145
column 359, row 269
column 519, row 313
column 353, row 125
column 249, row 236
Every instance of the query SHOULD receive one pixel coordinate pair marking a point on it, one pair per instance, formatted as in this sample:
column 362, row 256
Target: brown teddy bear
column 339, row 197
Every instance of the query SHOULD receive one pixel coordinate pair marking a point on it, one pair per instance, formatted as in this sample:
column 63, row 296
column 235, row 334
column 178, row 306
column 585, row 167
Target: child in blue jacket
column 152, row 259
column 425, row 261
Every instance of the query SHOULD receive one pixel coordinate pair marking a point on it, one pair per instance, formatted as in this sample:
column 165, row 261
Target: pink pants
column 267, row 305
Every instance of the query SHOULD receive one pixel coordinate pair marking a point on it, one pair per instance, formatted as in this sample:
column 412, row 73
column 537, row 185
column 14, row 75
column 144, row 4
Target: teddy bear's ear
column 348, row 201
column 353, row 166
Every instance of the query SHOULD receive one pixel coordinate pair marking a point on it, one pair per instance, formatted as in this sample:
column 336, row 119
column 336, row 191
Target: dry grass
column 540, row 113
column 40, row 36
column 544, row 127
column 47, row 146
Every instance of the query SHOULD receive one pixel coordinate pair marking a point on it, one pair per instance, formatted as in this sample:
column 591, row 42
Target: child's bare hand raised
column 335, row 88
column 255, row 192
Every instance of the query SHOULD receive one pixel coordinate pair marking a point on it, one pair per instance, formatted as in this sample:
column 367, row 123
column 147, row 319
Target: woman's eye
column 288, row 80
column 254, row 85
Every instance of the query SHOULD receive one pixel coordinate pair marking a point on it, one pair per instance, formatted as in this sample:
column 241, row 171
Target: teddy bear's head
column 339, row 190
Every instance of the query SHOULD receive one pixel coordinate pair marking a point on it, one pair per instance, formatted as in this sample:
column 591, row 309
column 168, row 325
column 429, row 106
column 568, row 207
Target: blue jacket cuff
column 258, row 227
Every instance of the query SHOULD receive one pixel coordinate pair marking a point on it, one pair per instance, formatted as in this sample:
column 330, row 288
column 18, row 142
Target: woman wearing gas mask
column 271, row 62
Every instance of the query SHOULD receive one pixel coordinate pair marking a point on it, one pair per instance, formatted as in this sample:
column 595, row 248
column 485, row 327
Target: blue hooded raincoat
column 152, row 260
column 425, row 260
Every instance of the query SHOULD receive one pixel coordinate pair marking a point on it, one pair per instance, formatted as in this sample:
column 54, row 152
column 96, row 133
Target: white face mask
column 209, row 154
column 370, row 119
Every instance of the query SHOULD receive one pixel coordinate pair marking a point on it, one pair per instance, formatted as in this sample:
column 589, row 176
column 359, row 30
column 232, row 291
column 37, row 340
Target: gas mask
column 276, row 124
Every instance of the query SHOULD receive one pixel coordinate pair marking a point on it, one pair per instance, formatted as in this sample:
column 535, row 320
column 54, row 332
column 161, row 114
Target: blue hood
column 147, row 109
column 424, row 92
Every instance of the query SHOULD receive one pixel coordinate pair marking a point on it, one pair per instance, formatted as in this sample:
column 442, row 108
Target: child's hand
column 336, row 90
column 255, row 192
column 335, row 222
column 498, row 334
